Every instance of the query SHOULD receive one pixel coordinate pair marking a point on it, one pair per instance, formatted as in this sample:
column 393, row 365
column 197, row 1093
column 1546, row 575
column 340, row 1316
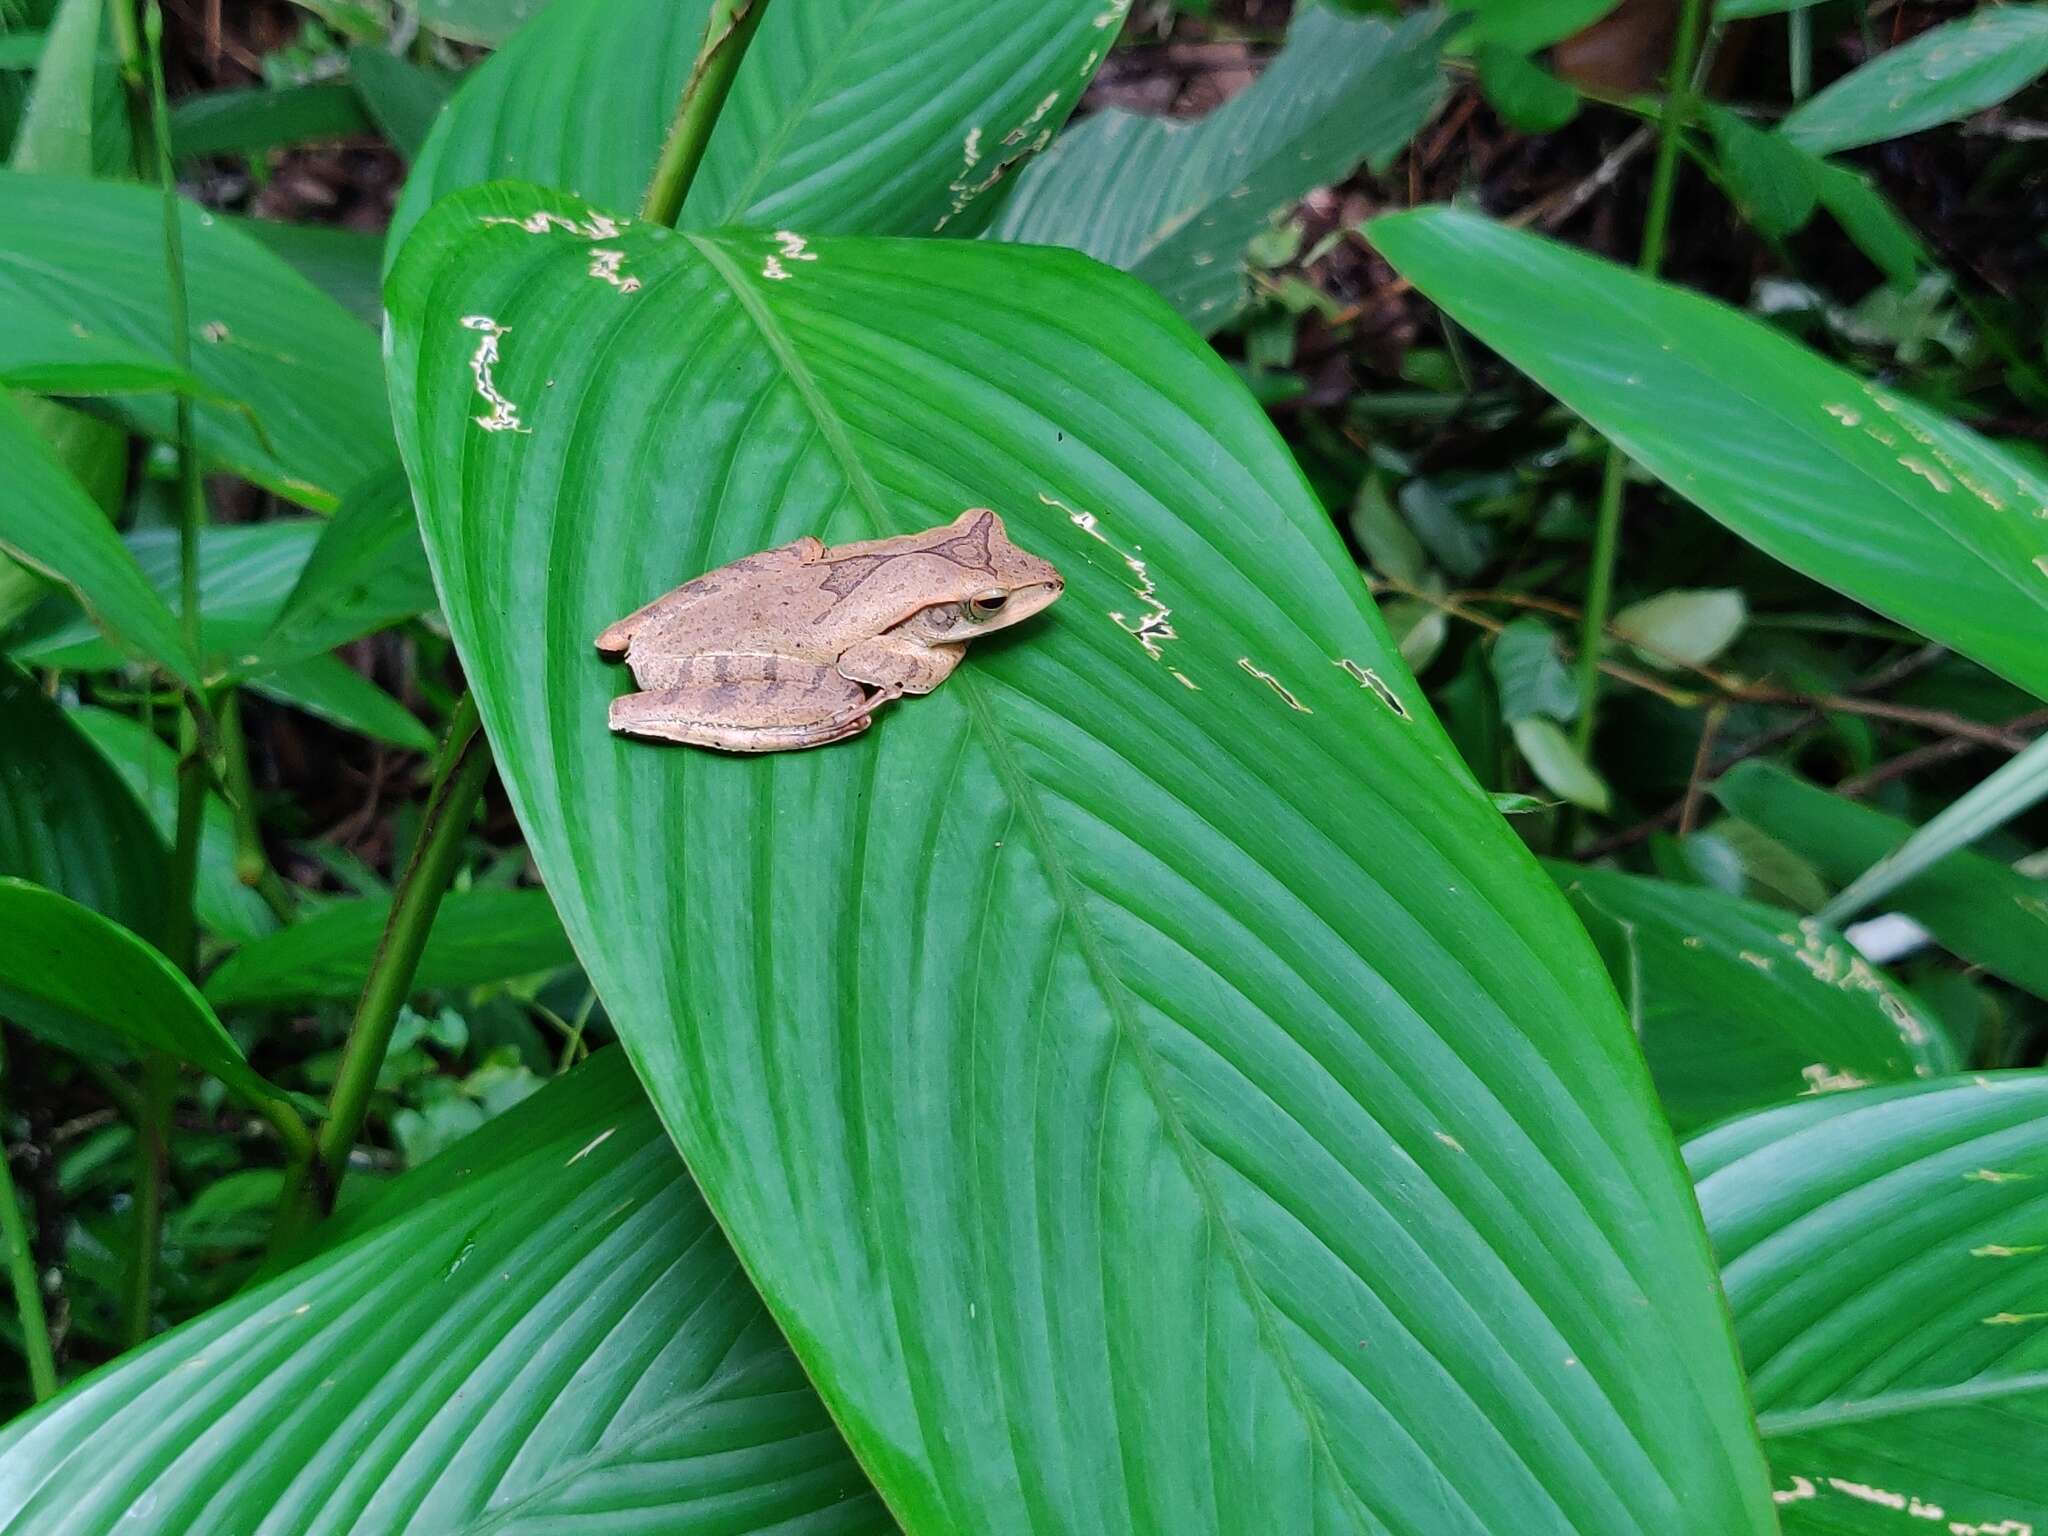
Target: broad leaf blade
column 50, row 524
column 366, row 573
column 90, row 983
column 477, row 937
column 1987, row 912
column 540, row 1331
column 817, row 135
column 328, row 688
column 1066, row 1076
column 1877, row 497
column 1945, row 73
column 88, row 254
column 1176, row 203
column 1740, row 1005
column 67, row 821
column 1886, row 1254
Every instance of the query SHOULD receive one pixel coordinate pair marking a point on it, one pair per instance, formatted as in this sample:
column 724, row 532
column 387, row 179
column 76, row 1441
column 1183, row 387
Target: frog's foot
column 748, row 704
column 896, row 664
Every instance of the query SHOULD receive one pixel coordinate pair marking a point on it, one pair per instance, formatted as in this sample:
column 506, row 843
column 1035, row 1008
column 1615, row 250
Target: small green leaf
column 54, row 136
column 1527, row 25
column 52, row 526
column 478, row 936
column 329, row 689
column 345, row 264
column 1983, row 910
column 367, row 572
column 1870, row 221
column 1531, row 674
column 1885, row 1254
column 403, row 99
column 484, row 22
column 91, row 985
column 1390, row 545
column 1736, row 10
column 541, row 1331
column 1946, row 73
column 248, row 120
column 1739, row 1005
column 1558, row 765
column 1527, row 96
column 1687, row 628
column 148, row 765
column 1873, row 494
column 1177, row 203
column 1773, row 180
column 67, row 819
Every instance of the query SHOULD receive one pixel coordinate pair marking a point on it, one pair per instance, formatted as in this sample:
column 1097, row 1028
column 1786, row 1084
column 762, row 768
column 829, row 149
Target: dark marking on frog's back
column 969, row 551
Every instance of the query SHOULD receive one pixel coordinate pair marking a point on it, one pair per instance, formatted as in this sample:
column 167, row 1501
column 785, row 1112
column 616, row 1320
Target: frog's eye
column 986, row 605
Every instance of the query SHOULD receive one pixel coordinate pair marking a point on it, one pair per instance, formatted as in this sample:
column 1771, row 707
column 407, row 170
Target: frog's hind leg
column 746, row 703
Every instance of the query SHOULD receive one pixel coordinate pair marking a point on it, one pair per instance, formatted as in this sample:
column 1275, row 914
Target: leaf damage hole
column 790, row 247
column 597, row 1141
column 1275, row 684
column 1821, row 1078
column 1365, row 677
column 2007, row 1251
column 504, row 415
column 605, row 262
column 598, row 226
column 1152, row 628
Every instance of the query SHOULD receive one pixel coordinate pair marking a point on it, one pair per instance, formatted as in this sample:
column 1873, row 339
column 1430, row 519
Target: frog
column 799, row 646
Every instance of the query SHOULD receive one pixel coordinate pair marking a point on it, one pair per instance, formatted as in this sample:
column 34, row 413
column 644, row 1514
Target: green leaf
column 1527, row 96
column 1559, row 766
column 42, row 351
column 486, row 22
column 540, row 1331
column 1946, row 73
column 2011, row 790
column 87, row 982
column 479, row 936
column 149, row 766
column 329, row 689
column 1736, row 10
column 50, row 524
column 1176, row 203
column 1773, row 180
column 1985, row 911
column 250, row 120
column 90, row 451
column 245, row 572
column 67, row 821
column 403, row 99
column 1060, row 1067
column 1871, row 222
column 816, row 136
column 88, row 254
column 55, row 132
column 345, row 264
column 1878, row 497
column 1527, row 25
column 1684, row 627
column 367, row 572
column 1739, row 1005
column 1886, row 1255
column 1531, row 673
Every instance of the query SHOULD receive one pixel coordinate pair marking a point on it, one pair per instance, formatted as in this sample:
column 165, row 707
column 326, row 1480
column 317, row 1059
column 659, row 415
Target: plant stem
column 28, row 1289
column 727, row 31
column 152, row 1159
column 1678, row 103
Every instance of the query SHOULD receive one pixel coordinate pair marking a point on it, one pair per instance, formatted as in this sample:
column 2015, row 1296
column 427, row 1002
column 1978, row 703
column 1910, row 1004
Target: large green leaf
column 88, row 254
column 1987, row 912
column 149, row 767
column 1945, row 73
column 1740, row 1005
column 1132, row 1133
column 1176, row 203
column 1880, row 498
column 847, row 116
column 1886, row 1254
column 67, row 820
column 51, row 525
column 478, row 936
column 539, row 1332
column 93, row 985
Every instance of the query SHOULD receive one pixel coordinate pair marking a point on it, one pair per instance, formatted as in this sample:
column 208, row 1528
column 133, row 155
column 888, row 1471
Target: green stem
column 1678, row 103
column 28, row 1289
column 727, row 31
column 252, row 865
column 152, row 1160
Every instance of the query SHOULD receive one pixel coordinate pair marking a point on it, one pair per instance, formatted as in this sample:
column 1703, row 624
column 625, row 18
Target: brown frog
column 778, row 651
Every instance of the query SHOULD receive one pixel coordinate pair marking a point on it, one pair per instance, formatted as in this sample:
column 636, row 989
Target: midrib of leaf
column 1067, row 896
column 1794, row 1421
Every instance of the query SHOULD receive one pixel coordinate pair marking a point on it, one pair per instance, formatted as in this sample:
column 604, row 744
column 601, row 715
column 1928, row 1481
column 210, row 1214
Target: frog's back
column 726, row 605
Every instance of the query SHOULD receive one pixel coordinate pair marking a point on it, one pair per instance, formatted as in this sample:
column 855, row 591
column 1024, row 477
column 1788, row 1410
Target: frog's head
column 999, row 585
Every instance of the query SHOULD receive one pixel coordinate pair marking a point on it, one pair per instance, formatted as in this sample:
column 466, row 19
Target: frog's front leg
column 745, row 703
column 897, row 664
